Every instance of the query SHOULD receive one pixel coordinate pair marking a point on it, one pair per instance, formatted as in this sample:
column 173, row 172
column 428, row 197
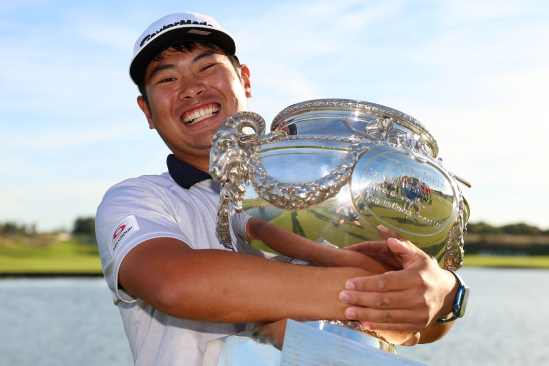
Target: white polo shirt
column 147, row 207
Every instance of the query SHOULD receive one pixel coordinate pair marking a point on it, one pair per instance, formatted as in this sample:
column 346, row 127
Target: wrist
column 451, row 286
column 254, row 227
column 460, row 299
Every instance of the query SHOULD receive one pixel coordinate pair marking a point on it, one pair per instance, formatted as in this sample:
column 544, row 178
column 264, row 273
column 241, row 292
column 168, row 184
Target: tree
column 482, row 228
column 84, row 226
column 520, row 229
column 12, row 228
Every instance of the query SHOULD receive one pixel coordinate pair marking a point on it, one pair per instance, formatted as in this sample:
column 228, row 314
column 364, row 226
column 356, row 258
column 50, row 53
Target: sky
column 475, row 73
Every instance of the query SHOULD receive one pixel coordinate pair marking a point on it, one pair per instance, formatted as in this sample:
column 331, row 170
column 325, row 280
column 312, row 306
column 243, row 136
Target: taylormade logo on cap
column 188, row 21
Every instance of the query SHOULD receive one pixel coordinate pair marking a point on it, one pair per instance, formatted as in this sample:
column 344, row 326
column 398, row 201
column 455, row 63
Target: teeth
column 199, row 115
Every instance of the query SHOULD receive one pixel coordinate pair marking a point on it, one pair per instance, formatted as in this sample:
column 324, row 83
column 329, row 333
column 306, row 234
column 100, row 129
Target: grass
column 75, row 256
column 475, row 260
column 62, row 257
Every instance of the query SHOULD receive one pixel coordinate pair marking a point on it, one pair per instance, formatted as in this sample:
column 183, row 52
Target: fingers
column 390, row 320
column 386, row 233
column 409, row 254
column 379, row 251
column 386, row 282
column 381, row 300
column 384, row 320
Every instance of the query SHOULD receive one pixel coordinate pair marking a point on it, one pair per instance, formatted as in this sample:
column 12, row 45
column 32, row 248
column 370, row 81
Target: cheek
column 160, row 103
column 228, row 84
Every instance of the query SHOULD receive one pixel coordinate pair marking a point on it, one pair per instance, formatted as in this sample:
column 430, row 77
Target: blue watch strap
column 458, row 300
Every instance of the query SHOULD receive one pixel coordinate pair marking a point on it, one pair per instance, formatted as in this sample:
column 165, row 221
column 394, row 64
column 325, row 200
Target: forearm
column 296, row 246
column 219, row 286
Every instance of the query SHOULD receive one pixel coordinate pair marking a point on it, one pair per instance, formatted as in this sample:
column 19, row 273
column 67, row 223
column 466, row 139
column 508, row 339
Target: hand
column 378, row 250
column 406, row 300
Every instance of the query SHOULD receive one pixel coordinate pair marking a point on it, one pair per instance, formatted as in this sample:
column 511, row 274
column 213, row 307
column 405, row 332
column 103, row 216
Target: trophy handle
column 453, row 255
column 229, row 157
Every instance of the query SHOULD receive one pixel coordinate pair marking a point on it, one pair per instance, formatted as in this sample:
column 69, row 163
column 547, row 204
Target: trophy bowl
column 332, row 170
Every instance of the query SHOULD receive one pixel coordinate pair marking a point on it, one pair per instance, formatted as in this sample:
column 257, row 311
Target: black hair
column 186, row 46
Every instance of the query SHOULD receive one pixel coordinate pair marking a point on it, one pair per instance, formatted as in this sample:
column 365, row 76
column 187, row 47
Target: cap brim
column 163, row 41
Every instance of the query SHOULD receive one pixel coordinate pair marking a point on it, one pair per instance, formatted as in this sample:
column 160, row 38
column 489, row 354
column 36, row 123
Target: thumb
column 409, row 253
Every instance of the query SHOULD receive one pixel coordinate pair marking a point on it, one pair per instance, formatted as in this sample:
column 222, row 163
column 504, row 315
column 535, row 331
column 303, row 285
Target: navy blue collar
column 184, row 174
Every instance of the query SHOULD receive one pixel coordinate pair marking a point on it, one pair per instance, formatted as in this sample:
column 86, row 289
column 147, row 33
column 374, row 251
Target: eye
column 208, row 66
column 166, row 80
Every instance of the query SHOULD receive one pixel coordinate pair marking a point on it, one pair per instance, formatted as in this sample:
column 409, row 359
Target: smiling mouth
column 201, row 113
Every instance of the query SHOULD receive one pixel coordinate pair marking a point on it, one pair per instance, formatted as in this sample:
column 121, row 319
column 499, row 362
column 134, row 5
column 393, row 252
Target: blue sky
column 476, row 73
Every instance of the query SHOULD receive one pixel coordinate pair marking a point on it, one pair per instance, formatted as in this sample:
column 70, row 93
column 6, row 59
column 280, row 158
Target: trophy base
column 289, row 342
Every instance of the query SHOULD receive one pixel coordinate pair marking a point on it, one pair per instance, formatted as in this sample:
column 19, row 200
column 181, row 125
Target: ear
column 245, row 76
column 145, row 108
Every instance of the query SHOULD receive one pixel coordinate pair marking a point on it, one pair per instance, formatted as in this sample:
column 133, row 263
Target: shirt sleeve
column 131, row 212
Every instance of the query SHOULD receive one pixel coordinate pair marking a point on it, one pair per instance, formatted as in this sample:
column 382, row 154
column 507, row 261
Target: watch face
column 463, row 302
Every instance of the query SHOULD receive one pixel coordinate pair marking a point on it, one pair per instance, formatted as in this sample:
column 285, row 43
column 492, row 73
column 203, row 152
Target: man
column 177, row 287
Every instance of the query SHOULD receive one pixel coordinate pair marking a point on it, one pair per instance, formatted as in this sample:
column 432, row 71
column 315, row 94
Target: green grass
column 475, row 260
column 59, row 257
column 73, row 256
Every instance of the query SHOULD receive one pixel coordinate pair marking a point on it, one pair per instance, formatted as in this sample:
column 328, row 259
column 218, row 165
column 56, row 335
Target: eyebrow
column 160, row 68
column 203, row 55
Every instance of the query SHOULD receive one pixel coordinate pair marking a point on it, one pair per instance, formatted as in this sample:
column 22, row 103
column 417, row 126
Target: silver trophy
column 332, row 170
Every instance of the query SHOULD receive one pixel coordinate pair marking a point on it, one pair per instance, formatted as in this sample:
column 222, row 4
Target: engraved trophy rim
column 369, row 108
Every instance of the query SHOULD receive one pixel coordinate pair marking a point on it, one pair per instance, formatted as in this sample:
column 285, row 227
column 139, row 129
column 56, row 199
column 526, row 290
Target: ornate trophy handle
column 228, row 164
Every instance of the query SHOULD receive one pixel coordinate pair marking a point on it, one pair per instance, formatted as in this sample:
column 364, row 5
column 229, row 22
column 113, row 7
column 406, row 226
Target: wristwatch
column 460, row 302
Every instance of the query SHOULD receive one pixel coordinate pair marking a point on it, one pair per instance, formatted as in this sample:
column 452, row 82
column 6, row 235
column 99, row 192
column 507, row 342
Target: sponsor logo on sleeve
column 126, row 228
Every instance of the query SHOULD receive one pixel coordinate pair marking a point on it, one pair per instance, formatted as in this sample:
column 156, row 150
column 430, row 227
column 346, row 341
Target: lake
column 72, row 321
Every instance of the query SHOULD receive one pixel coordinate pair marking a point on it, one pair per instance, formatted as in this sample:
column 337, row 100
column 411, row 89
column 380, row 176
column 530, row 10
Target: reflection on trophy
column 332, row 170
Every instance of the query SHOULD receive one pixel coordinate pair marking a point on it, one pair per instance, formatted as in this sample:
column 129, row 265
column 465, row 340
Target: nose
column 192, row 88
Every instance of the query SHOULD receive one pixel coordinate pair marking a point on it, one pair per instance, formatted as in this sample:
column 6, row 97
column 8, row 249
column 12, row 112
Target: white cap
column 174, row 28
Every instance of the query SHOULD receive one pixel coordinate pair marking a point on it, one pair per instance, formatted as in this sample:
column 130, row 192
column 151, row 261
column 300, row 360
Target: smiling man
column 176, row 285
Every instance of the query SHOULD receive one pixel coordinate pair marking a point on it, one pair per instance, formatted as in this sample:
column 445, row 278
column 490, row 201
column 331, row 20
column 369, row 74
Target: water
column 47, row 322
column 265, row 213
column 73, row 322
column 506, row 322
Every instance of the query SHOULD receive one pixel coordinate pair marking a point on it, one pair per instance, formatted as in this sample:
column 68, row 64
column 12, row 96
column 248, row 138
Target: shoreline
column 471, row 261
column 48, row 275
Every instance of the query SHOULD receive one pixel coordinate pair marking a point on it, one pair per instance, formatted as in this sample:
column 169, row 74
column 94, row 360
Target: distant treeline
column 81, row 226
column 511, row 229
column 86, row 226
column 12, row 228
